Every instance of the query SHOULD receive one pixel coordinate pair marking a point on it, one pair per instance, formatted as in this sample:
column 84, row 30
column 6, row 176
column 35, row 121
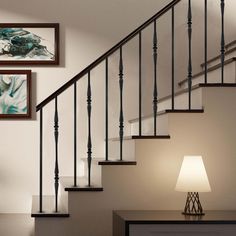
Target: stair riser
column 95, row 172
column 114, row 147
column 181, row 102
column 48, row 206
column 148, row 124
column 215, row 76
column 63, row 198
column 128, row 150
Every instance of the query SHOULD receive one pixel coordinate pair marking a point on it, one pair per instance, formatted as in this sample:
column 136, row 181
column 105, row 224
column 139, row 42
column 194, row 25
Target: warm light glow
column 193, row 176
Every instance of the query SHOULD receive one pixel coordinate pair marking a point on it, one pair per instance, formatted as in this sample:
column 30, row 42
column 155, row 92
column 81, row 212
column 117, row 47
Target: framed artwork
column 29, row 44
column 15, row 94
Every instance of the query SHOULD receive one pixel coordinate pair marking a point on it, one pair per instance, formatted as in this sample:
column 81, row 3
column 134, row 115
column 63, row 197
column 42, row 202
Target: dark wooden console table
column 145, row 223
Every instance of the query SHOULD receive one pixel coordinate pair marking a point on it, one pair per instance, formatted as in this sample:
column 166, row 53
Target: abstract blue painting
column 15, row 93
column 29, row 43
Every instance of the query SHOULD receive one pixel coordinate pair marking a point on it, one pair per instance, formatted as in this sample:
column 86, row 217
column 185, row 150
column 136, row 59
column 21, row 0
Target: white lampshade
column 193, row 176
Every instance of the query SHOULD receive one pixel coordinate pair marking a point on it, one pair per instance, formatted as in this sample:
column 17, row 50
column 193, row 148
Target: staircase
column 140, row 152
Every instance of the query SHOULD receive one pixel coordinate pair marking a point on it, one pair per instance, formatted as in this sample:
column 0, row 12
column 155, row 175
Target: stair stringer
column 214, row 76
column 150, row 185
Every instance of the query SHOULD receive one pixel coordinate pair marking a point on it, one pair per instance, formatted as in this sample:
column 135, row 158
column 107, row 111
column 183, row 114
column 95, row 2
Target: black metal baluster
column 56, row 171
column 155, row 78
column 222, row 6
column 89, row 146
column 205, row 40
column 75, row 134
column 190, row 53
column 121, row 119
column 106, row 110
column 140, row 83
column 41, row 162
column 173, row 59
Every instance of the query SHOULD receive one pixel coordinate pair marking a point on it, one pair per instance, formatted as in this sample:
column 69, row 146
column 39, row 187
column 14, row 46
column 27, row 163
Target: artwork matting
column 29, row 44
column 15, row 94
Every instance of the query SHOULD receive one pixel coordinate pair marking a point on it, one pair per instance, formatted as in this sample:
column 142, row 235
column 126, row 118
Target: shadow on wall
column 117, row 27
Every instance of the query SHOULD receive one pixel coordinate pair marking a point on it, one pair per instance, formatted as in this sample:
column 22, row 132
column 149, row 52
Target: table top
column 176, row 217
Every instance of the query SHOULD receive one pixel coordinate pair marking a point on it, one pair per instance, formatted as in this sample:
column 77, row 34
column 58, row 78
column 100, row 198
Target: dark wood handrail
column 106, row 54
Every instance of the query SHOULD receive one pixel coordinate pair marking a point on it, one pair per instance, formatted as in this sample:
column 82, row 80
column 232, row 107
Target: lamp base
column 193, row 205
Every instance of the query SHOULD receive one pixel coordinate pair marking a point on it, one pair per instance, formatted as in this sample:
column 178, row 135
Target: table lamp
column 193, row 179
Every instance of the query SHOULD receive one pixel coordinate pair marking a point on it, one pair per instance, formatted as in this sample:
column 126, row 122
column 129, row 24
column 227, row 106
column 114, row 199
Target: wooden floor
column 16, row 224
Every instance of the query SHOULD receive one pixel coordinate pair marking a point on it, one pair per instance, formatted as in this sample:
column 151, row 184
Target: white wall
column 88, row 28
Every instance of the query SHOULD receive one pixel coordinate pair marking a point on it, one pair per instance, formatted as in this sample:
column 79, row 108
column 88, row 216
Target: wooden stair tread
column 82, row 185
column 118, row 139
column 133, row 137
column 117, row 162
column 48, row 208
column 97, row 160
column 85, row 188
column 151, row 137
column 168, row 111
column 213, row 85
